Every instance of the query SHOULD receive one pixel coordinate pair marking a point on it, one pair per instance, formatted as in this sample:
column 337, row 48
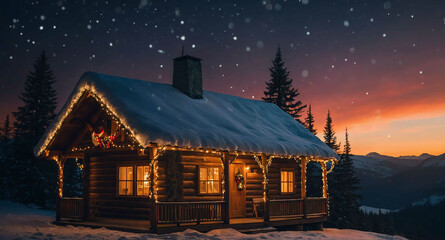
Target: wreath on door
column 239, row 179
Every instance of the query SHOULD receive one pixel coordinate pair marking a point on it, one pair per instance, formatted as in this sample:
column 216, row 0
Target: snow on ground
column 368, row 209
column 22, row 222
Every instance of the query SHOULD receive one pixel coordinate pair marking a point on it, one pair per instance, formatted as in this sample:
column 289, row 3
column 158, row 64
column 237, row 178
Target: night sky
column 378, row 66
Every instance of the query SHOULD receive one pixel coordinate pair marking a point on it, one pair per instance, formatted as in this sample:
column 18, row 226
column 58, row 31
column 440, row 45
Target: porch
column 201, row 216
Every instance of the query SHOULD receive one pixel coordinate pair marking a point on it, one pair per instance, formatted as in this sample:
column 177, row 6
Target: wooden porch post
column 226, row 189
column 153, row 215
column 60, row 162
column 86, row 187
column 325, row 179
column 303, row 177
column 266, row 188
column 303, row 185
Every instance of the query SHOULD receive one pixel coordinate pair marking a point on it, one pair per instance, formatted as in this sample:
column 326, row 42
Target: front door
column 237, row 196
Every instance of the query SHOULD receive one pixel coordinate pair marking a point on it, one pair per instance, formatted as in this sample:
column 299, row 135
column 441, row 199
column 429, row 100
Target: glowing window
column 126, row 180
column 209, row 180
column 142, row 181
column 287, row 181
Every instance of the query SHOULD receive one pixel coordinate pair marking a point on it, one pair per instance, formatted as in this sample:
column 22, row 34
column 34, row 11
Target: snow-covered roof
column 159, row 113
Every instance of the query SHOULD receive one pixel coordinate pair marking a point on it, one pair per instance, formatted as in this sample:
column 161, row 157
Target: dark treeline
column 25, row 178
column 413, row 222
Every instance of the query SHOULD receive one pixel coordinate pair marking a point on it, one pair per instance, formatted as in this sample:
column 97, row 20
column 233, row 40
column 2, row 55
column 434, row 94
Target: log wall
column 103, row 181
column 275, row 178
column 103, row 186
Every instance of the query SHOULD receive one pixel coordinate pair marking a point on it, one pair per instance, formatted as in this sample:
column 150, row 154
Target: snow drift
column 20, row 222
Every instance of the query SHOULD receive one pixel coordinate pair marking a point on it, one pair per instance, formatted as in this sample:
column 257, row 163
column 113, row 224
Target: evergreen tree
column 5, row 159
column 72, row 179
column 329, row 134
column 279, row 89
column 309, row 121
column 314, row 182
column 5, row 130
column 344, row 185
column 35, row 179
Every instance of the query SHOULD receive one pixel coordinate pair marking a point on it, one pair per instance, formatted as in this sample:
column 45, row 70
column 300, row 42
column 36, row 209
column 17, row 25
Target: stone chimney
column 187, row 76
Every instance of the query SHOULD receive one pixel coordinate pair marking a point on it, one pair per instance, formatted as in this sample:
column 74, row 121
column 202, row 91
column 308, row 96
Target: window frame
column 219, row 180
column 293, row 182
column 135, row 181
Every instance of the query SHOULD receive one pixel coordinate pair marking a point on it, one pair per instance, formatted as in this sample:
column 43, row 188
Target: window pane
column 203, row 174
column 129, row 173
column 216, row 173
column 210, row 173
column 291, row 187
column 139, row 188
column 129, row 187
column 146, row 172
column 202, row 187
column 291, row 177
column 140, row 173
column 217, row 186
column 122, row 173
column 285, row 187
column 122, row 188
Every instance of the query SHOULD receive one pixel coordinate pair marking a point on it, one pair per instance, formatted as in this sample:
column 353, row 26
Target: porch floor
column 143, row 226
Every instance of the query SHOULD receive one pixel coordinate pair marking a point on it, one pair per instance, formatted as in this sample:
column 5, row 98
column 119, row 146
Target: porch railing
column 297, row 207
column 286, row 207
column 186, row 212
column 71, row 208
column 316, row 206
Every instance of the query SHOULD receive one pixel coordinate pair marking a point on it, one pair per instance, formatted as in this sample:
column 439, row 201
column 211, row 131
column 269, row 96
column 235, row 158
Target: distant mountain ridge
column 395, row 182
column 422, row 156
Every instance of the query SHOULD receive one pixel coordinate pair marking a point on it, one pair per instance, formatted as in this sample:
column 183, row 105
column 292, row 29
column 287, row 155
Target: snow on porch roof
column 159, row 113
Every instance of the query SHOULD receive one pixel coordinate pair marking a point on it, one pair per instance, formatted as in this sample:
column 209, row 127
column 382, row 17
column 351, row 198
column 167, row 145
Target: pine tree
column 314, row 183
column 279, row 89
column 329, row 134
column 334, row 198
column 309, row 121
column 5, row 159
column 35, row 179
column 345, row 201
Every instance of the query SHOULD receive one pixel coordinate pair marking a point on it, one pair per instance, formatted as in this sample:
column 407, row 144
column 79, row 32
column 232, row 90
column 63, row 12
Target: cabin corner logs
column 178, row 180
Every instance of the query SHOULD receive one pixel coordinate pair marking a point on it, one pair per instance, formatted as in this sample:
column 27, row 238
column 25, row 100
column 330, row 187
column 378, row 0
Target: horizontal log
column 189, row 176
column 188, row 168
column 254, row 192
column 189, row 184
column 254, row 186
column 189, row 191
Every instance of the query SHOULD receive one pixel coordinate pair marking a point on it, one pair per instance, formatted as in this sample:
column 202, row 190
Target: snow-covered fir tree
column 279, row 89
column 35, row 179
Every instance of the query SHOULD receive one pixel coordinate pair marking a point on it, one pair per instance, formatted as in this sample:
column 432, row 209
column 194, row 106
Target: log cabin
column 164, row 157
